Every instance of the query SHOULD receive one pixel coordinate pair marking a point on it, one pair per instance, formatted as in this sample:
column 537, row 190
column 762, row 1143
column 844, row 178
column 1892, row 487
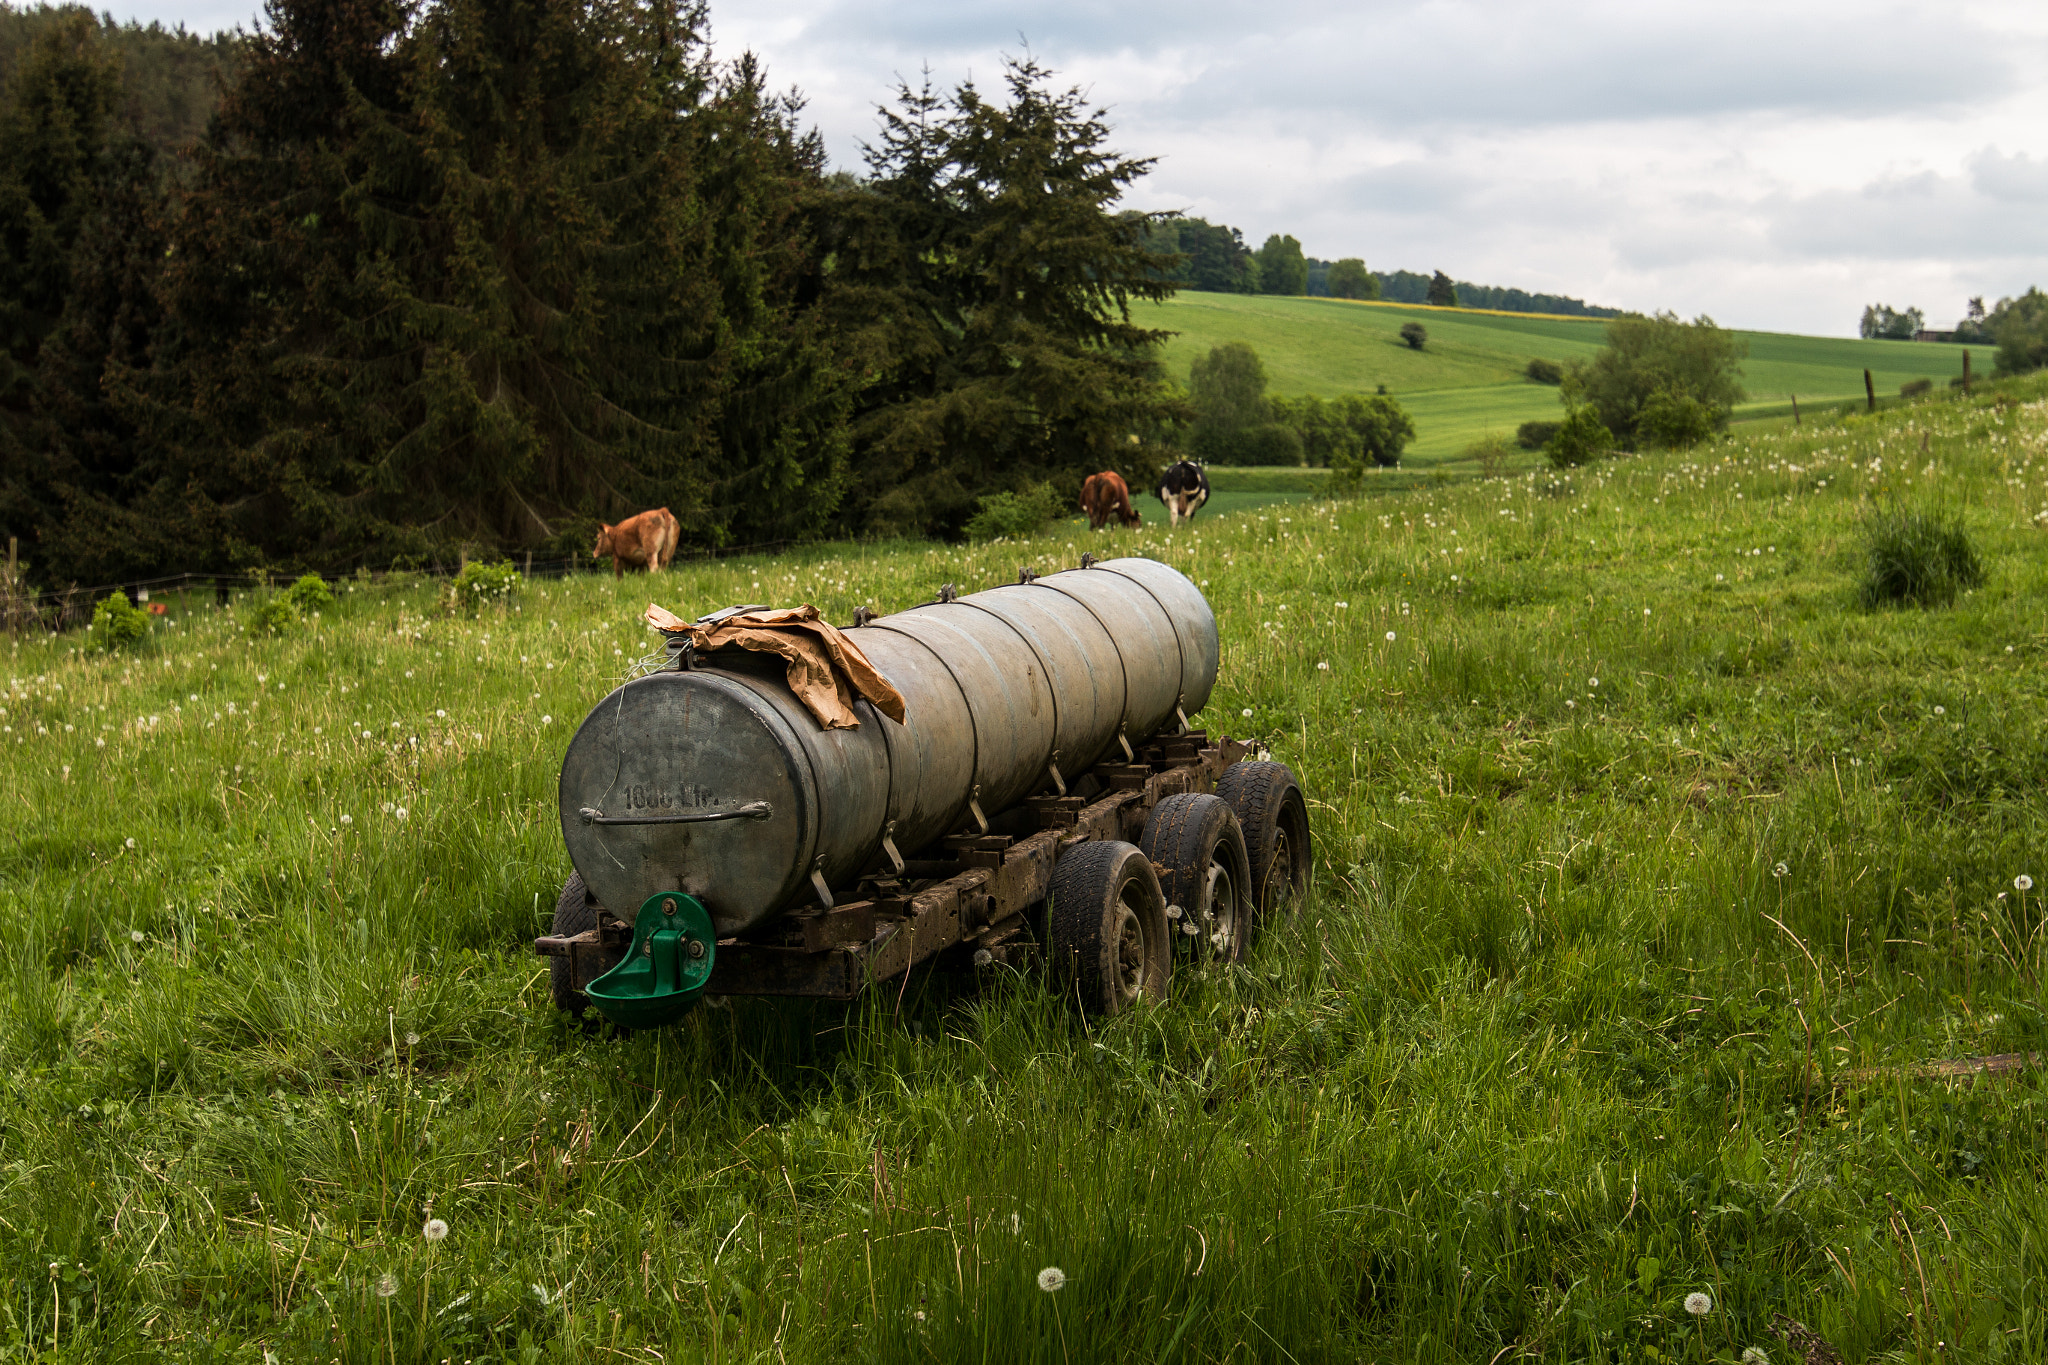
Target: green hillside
column 1469, row 380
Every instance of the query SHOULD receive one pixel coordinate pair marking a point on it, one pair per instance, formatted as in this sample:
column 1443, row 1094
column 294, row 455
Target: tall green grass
column 1609, row 991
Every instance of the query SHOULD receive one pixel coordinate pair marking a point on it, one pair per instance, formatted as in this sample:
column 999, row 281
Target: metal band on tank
column 1043, row 670
column 1113, row 642
column 973, row 726
column 1172, row 622
column 756, row 695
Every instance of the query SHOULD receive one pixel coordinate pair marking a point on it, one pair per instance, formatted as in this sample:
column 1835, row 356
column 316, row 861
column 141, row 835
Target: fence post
column 1966, row 373
column 1795, row 409
column 1870, row 391
column 13, row 550
column 529, row 563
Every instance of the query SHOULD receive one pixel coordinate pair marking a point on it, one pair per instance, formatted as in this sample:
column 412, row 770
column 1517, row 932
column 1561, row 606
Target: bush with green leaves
column 1646, row 356
column 2021, row 327
column 1268, row 443
column 1535, row 435
column 1015, row 514
column 117, row 623
column 277, row 615
column 1545, row 371
column 1380, row 428
column 1580, row 437
column 1674, row 420
column 1415, row 334
column 1916, row 558
column 310, row 594
column 1913, row 388
column 480, row 585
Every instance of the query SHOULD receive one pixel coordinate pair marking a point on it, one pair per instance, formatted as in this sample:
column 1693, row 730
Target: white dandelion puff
column 2023, row 882
column 387, row 1285
column 982, row 957
column 135, row 936
column 131, row 842
column 412, row 1040
column 1246, row 713
column 1390, row 635
column 436, row 1228
column 1941, row 710
column 1052, row 1279
column 400, row 812
column 1698, row 1304
column 1754, row 1355
column 348, row 819
column 1323, row 667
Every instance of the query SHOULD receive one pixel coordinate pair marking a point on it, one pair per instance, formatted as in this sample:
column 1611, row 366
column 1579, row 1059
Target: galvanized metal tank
column 717, row 782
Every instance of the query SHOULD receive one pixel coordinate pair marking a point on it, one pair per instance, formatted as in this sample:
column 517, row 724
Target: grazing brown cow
column 1105, row 495
column 646, row 541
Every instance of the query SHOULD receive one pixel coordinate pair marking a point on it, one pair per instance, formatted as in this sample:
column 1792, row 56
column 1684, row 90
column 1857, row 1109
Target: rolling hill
column 1469, row 380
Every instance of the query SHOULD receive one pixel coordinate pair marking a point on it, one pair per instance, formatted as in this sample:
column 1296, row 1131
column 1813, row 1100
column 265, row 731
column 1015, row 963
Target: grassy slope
column 1579, row 1019
column 1469, row 380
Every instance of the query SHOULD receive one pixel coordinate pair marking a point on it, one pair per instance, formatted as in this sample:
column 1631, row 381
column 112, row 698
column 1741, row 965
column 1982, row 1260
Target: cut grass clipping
column 1917, row 558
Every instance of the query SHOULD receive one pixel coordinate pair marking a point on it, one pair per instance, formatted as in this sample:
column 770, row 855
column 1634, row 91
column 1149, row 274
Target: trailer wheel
column 1107, row 926
column 1197, row 839
column 1270, row 806
column 575, row 912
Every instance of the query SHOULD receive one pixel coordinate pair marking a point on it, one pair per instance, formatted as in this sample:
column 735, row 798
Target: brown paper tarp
column 825, row 668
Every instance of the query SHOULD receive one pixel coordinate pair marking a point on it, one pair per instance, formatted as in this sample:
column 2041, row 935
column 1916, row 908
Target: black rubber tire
column 1197, row 840
column 1106, row 929
column 575, row 912
column 1270, row 806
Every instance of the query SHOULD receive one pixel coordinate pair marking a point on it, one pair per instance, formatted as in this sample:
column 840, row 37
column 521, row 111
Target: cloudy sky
column 1776, row 165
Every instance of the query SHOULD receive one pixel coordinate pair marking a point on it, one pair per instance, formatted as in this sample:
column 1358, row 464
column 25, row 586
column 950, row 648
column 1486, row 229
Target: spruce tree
column 988, row 280
column 1442, row 293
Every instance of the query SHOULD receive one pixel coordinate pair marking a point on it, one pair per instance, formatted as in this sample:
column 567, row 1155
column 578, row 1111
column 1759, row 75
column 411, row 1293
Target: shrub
column 1645, row 356
column 1015, row 514
column 1545, row 371
column 1268, row 443
column 1913, row 388
column 276, row 616
column 310, row 593
column 1491, row 451
column 1415, row 334
column 1921, row 558
column 1380, row 430
column 1580, row 437
column 116, row 623
column 2021, row 326
column 1675, row 420
column 1535, row 435
column 480, row 585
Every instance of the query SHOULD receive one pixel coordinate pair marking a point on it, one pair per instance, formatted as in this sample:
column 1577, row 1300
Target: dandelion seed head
column 131, row 841
column 400, row 812
column 1698, row 1304
column 982, row 957
column 1941, row 710
column 387, row 1285
column 1052, row 1279
column 1322, row 666
column 1754, row 1355
column 135, row 936
column 2023, row 882
column 436, row 1228
column 1246, row 713
column 1390, row 635
column 412, row 1040
column 348, row 819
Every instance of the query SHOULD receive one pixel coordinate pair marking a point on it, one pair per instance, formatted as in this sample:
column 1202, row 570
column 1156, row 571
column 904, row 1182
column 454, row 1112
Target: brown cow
column 646, row 541
column 1105, row 495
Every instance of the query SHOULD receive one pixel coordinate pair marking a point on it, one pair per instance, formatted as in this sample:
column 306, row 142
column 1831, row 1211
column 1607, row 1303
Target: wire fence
column 58, row 610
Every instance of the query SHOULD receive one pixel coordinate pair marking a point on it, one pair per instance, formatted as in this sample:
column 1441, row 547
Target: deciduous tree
column 1349, row 279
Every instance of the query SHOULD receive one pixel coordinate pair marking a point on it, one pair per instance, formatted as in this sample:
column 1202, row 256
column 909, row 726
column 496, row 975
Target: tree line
column 1216, row 258
column 2017, row 326
column 473, row 274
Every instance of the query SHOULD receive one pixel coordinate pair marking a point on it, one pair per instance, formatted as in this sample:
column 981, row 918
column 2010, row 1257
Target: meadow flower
column 131, row 841
column 1698, row 1304
column 1342, row 605
column 400, row 812
column 348, row 819
column 1052, row 1279
column 1592, row 682
column 387, row 1285
column 1247, row 713
column 547, row 720
column 435, row 1230
column 1390, row 635
column 2023, row 882
column 135, row 936
column 1941, row 710
column 440, row 714
column 982, row 957
column 412, row 1040
column 1781, row 870
column 1322, row 667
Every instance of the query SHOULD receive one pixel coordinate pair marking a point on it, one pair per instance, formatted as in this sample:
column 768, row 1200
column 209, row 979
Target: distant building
column 1930, row 334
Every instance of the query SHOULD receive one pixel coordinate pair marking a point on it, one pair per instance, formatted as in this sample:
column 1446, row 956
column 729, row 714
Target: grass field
column 1650, row 868
column 1469, row 379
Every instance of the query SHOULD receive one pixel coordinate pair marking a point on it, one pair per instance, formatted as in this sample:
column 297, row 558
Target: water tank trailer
column 1044, row 794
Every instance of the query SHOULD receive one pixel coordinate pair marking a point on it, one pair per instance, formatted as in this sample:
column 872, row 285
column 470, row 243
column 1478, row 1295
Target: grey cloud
column 1990, row 211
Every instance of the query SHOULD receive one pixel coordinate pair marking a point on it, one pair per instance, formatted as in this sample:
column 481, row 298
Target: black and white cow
column 1183, row 488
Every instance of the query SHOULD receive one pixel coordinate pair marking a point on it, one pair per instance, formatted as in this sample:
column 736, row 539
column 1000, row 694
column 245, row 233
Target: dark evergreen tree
column 985, row 281
column 1442, row 293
